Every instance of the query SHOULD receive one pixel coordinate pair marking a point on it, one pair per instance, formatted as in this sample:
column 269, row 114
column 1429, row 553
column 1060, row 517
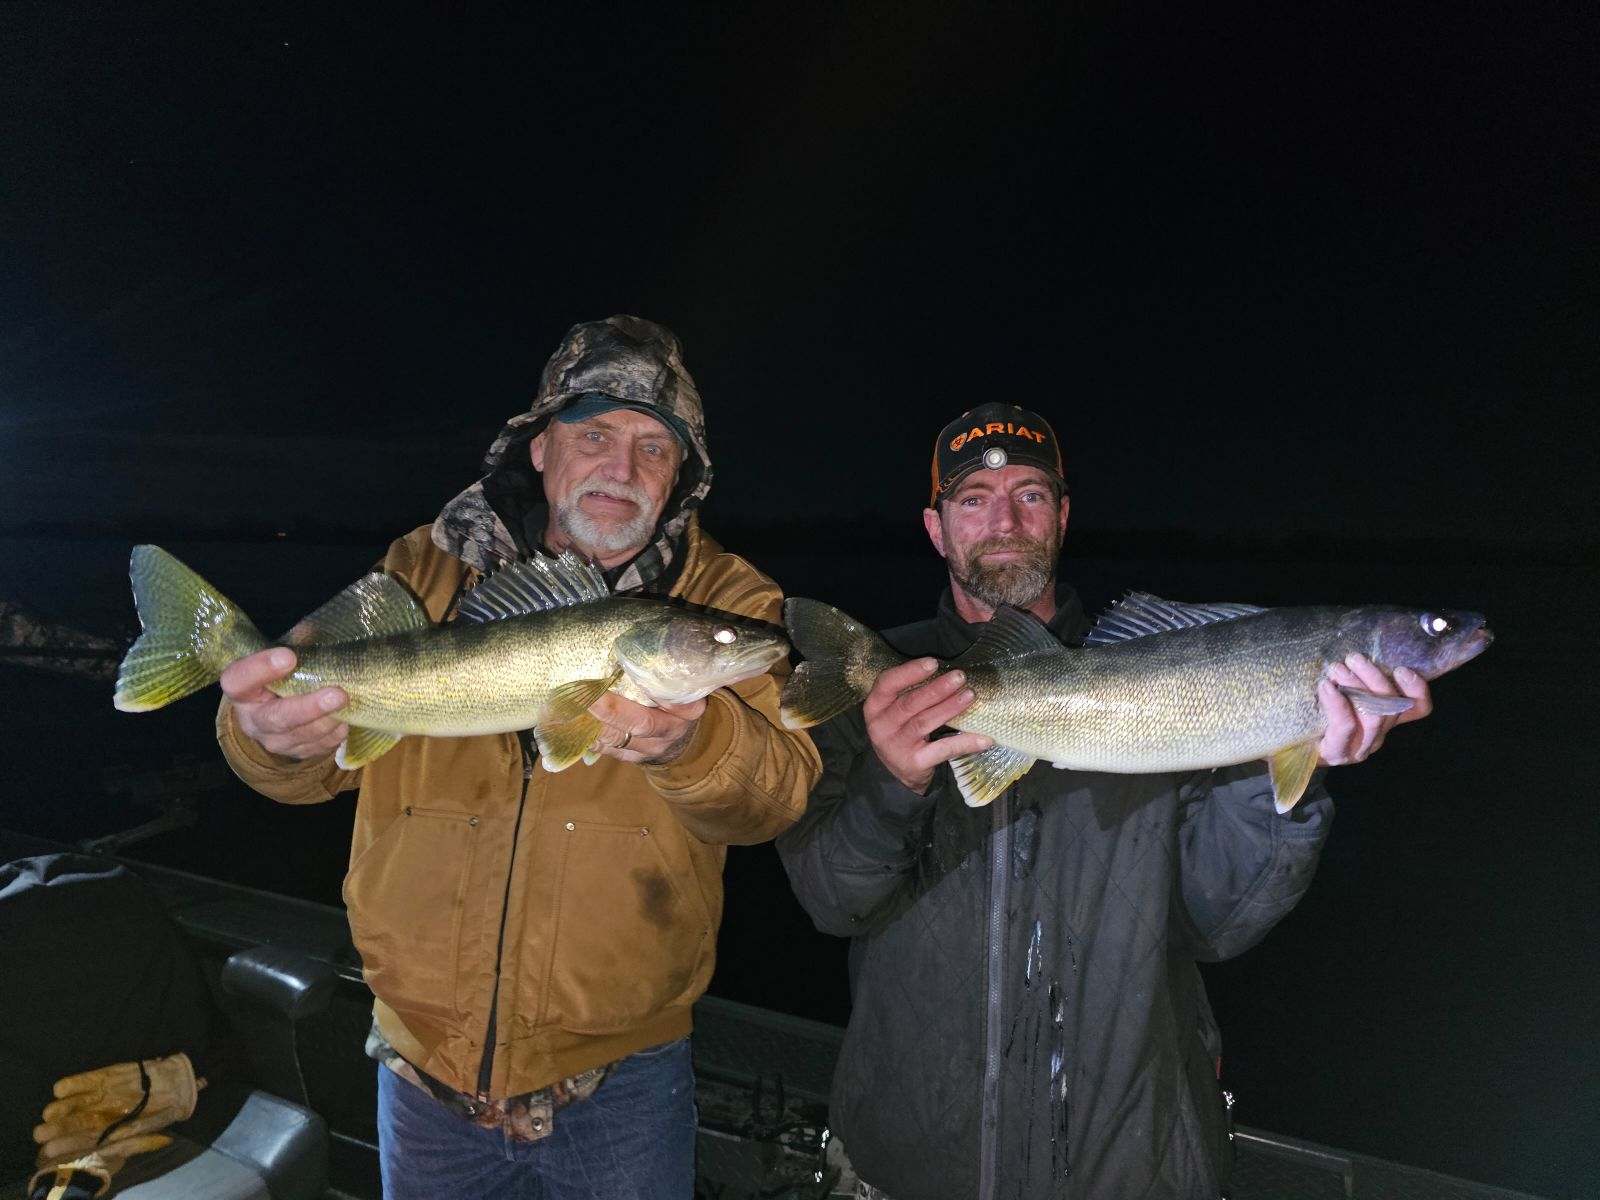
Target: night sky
column 1309, row 294
column 1268, row 270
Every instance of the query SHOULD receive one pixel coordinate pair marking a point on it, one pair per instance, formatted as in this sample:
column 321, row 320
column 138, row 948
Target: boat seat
column 241, row 1144
column 253, row 1133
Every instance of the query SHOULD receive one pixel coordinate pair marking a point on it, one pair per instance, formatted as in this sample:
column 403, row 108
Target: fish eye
column 726, row 636
column 1436, row 626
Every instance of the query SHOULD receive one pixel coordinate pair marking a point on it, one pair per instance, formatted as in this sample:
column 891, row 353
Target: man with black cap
column 535, row 940
column 1027, row 1018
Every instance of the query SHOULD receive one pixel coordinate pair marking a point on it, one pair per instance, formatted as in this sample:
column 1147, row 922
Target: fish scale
column 1170, row 703
column 465, row 679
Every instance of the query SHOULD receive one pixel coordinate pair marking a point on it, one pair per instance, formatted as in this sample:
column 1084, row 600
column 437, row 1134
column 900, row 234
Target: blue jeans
column 632, row 1140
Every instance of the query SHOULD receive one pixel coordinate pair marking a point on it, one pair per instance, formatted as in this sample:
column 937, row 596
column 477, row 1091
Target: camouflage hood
column 622, row 358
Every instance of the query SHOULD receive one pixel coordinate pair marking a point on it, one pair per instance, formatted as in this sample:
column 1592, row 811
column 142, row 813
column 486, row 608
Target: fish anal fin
column 361, row 746
column 375, row 605
column 1010, row 633
column 983, row 776
column 1291, row 770
column 563, row 744
column 1374, row 705
column 573, row 698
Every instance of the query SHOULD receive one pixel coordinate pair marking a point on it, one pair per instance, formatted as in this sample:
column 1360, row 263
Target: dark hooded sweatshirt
column 1028, row 1019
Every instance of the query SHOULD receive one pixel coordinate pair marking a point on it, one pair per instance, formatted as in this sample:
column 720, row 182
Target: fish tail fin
column 191, row 632
column 843, row 660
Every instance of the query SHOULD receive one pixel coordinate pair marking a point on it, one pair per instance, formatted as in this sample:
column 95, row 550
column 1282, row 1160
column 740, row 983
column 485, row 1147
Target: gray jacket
column 1027, row 1017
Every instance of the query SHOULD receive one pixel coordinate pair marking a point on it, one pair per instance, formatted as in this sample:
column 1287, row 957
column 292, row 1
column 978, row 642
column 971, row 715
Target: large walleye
column 1158, row 687
column 533, row 646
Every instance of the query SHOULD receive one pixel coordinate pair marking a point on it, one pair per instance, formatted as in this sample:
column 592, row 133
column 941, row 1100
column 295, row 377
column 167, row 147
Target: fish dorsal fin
column 375, row 605
column 537, row 585
column 1139, row 614
column 1010, row 633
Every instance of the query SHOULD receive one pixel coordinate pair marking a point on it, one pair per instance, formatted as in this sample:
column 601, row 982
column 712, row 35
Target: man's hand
column 293, row 726
column 903, row 708
column 633, row 733
column 1353, row 735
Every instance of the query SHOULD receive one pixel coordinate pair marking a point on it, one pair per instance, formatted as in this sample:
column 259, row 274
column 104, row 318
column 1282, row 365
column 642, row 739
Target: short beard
column 603, row 536
column 1017, row 583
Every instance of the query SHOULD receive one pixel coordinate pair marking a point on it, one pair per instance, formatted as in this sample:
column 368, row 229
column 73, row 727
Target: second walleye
column 1158, row 687
column 533, row 646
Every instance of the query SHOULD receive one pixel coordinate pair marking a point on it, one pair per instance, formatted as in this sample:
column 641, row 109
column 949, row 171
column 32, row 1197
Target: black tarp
column 95, row 973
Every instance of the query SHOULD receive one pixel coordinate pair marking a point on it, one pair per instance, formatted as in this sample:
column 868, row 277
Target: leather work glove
column 89, row 1175
column 111, row 1104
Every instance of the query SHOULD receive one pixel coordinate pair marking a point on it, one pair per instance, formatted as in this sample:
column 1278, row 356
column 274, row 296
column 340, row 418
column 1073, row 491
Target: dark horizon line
column 800, row 535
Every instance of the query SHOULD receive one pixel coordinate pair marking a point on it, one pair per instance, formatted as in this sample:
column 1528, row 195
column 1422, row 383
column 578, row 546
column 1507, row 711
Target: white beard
column 607, row 537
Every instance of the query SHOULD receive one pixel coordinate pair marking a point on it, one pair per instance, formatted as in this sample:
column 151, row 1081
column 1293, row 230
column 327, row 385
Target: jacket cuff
column 238, row 746
column 251, row 761
column 881, row 810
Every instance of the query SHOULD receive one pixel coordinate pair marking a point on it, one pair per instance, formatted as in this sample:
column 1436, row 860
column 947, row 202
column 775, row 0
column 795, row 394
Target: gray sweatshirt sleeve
column 857, row 843
column 1242, row 865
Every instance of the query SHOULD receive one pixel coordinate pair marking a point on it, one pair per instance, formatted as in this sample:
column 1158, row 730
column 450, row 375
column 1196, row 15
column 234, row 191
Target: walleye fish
column 1158, row 687
column 534, row 645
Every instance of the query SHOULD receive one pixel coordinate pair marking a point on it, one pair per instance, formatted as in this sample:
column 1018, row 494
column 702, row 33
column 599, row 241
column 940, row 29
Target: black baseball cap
column 993, row 436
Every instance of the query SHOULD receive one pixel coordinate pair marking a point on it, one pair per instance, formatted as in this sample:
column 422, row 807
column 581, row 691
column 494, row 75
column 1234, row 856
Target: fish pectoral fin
column 361, row 746
column 1374, row 705
column 982, row 777
column 565, row 743
column 1291, row 770
column 573, row 698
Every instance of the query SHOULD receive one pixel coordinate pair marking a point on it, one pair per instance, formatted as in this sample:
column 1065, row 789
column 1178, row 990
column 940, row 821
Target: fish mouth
column 758, row 660
column 1476, row 643
column 753, row 662
column 748, row 665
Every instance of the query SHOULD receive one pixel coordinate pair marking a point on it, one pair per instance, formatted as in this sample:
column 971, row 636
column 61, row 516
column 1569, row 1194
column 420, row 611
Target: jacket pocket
column 629, row 931
column 404, row 899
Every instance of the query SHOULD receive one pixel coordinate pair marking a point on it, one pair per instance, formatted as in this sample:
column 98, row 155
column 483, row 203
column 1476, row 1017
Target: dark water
column 1432, row 1000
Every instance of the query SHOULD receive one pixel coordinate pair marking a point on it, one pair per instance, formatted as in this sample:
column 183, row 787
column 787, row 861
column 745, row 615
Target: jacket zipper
column 999, row 902
column 486, row 1067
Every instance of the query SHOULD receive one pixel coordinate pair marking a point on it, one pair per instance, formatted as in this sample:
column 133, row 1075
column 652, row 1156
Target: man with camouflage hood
column 535, row 940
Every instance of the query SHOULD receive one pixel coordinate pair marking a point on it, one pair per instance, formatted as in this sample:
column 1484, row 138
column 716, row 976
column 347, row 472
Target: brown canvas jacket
column 609, row 876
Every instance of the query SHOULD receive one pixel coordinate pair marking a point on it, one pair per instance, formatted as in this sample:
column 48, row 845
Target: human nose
column 1003, row 517
column 618, row 464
